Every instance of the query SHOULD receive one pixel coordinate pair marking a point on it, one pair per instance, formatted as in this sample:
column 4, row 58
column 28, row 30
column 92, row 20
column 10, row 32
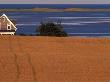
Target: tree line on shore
column 50, row 29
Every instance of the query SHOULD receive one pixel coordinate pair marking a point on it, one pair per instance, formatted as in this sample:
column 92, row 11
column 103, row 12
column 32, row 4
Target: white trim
column 7, row 33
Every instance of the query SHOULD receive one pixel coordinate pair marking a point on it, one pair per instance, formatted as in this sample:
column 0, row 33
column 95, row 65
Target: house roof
column 9, row 21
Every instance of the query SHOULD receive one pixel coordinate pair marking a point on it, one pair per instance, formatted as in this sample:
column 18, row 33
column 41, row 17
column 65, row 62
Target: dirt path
column 25, row 69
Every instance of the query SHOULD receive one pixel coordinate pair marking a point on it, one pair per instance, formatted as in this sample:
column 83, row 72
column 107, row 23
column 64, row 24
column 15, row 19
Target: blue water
column 55, row 6
column 75, row 23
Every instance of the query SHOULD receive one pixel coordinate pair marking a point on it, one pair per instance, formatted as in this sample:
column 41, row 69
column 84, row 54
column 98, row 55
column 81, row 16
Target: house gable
column 6, row 23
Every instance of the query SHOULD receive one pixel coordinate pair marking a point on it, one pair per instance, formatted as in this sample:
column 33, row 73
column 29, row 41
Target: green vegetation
column 51, row 29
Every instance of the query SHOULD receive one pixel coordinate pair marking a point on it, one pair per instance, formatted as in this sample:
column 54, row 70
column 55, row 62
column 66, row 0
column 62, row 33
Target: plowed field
column 53, row 59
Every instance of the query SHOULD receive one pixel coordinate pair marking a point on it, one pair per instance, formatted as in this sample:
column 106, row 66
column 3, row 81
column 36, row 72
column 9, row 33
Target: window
column 3, row 19
column 8, row 27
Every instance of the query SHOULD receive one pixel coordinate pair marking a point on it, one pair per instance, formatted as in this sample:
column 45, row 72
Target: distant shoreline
column 55, row 10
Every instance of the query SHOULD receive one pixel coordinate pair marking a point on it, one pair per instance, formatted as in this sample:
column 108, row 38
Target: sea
column 94, row 24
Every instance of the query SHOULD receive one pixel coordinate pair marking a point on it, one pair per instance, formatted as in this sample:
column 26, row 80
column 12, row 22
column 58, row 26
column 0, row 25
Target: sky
column 54, row 1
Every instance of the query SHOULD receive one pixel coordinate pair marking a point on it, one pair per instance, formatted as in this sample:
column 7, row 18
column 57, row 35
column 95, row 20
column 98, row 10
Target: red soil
column 51, row 59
